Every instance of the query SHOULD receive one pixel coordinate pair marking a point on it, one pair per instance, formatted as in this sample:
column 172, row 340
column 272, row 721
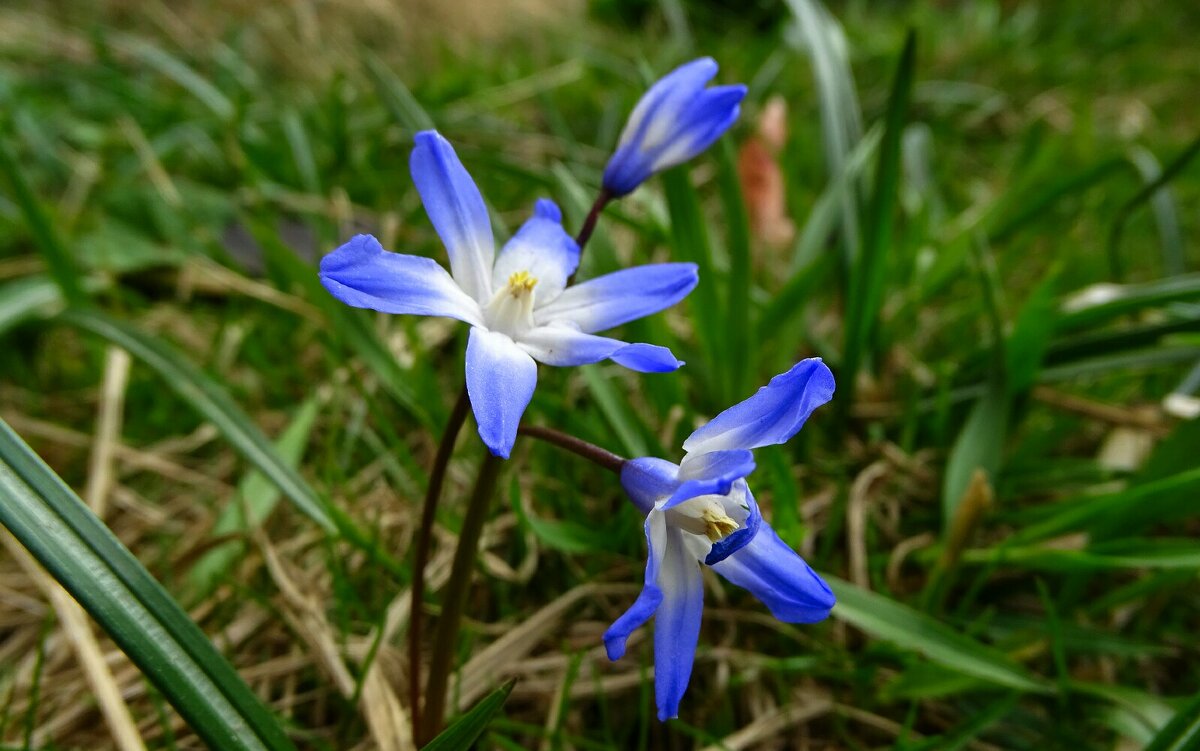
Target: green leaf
column 689, row 242
column 464, row 731
column 565, row 535
column 616, row 410
column 25, row 298
column 395, row 96
column 979, row 446
column 254, row 501
column 348, row 325
column 172, row 67
column 822, row 38
column 1027, row 343
column 892, row 621
column 870, row 268
column 88, row 560
column 1119, row 300
column 1182, row 733
column 739, row 332
column 210, row 400
column 1148, row 193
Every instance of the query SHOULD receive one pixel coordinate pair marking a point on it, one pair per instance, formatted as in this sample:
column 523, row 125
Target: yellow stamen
column 521, row 283
column 717, row 525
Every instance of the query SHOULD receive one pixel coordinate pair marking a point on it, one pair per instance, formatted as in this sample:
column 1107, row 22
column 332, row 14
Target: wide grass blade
column 84, row 556
column 210, row 400
column 892, row 621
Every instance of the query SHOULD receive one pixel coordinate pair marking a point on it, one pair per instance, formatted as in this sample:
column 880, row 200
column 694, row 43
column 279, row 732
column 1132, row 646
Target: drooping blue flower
column 517, row 302
column 675, row 120
column 702, row 511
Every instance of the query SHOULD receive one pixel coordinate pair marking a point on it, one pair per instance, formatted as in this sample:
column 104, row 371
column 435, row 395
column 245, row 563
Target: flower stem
column 437, row 476
column 589, row 451
column 589, row 226
column 455, row 597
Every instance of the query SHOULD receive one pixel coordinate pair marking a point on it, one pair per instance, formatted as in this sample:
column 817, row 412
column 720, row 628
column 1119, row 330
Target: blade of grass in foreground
column 210, row 400
column 466, row 729
column 895, row 622
column 84, row 556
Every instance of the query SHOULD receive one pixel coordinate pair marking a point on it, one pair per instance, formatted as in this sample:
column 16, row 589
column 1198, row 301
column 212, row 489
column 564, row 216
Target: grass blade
column 1147, row 193
column 399, row 101
column 22, row 299
column 211, row 401
column 255, row 500
column 823, row 40
column 84, row 556
column 869, row 270
column 1182, row 733
column 49, row 243
column 739, row 333
column 464, row 731
column 689, row 242
column 895, row 622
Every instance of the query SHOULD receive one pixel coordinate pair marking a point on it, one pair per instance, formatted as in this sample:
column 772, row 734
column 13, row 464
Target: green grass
column 173, row 171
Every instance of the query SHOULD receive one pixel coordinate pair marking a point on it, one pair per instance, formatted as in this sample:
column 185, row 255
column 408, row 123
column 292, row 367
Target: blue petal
column 709, row 115
column 457, row 211
column 648, row 480
column 565, row 346
column 648, row 600
column 500, row 382
column 780, row 578
column 364, row 275
column 713, row 473
column 773, row 415
column 646, row 358
column 676, row 624
column 655, row 120
column 622, row 296
column 741, row 537
column 542, row 248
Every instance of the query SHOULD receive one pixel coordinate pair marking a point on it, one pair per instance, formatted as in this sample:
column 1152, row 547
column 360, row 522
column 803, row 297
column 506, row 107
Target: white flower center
column 511, row 310
column 705, row 516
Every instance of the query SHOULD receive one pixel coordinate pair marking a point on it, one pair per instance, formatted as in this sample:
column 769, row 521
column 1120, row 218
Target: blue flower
column 702, row 510
column 517, row 302
column 674, row 121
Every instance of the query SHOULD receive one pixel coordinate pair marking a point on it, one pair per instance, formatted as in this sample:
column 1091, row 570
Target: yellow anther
column 717, row 525
column 520, row 283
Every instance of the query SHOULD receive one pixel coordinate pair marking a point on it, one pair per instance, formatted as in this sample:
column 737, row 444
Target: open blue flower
column 702, row 511
column 517, row 302
column 675, row 120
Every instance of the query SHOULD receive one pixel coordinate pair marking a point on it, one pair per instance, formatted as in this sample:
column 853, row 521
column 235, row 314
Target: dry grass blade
column 78, row 630
column 108, row 430
column 772, row 724
column 856, row 521
column 499, row 660
column 385, row 716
